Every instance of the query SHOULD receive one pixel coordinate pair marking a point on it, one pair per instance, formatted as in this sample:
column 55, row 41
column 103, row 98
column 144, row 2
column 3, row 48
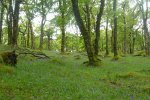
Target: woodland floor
column 64, row 77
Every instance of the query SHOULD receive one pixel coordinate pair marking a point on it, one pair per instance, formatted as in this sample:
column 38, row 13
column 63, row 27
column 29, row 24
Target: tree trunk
column 32, row 35
column 145, row 28
column 42, row 25
column 1, row 21
column 97, row 30
column 28, row 33
column 88, row 18
column 85, row 34
column 15, row 22
column 42, row 31
column 112, row 37
column 48, row 42
column 62, row 26
column 10, row 22
column 115, row 28
column 107, row 51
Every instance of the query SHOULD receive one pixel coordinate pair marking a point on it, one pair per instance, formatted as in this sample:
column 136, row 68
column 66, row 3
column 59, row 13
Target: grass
column 64, row 77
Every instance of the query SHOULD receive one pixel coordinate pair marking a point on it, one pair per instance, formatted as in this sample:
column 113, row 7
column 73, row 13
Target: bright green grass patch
column 63, row 77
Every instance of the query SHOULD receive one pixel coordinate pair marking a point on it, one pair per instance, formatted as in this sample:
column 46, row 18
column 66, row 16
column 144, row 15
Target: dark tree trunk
column 10, row 22
column 28, row 33
column 32, row 35
column 88, row 18
column 115, row 28
column 63, row 40
column 42, row 31
column 42, row 26
column 1, row 21
column 133, row 45
column 62, row 26
column 112, row 38
column 85, row 34
column 15, row 22
column 107, row 51
column 48, row 42
column 97, row 30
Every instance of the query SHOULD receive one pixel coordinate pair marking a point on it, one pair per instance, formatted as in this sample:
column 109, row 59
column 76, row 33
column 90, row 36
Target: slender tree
column 43, row 14
column 15, row 22
column 97, row 30
column 10, row 22
column 115, row 28
column 62, row 7
column 1, row 20
column 107, row 50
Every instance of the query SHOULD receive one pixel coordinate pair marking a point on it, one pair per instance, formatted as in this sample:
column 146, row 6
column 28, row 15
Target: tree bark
column 15, row 22
column 62, row 26
column 1, row 21
column 42, row 31
column 107, row 51
column 112, row 37
column 115, row 28
column 84, row 32
column 32, row 36
column 97, row 30
column 28, row 33
column 42, row 26
column 48, row 42
column 10, row 22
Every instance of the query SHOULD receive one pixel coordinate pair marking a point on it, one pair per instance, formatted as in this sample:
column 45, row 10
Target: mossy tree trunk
column 32, row 35
column 1, row 20
column 10, row 22
column 28, row 34
column 62, row 8
column 84, row 32
column 115, row 28
column 15, row 22
column 97, row 30
column 43, row 15
column 107, row 51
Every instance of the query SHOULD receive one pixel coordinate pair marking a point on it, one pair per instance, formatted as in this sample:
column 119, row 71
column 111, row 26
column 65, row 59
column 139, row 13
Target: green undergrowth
column 64, row 77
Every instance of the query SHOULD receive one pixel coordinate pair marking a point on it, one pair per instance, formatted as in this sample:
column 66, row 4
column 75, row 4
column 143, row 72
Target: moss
column 77, row 57
column 9, row 58
column 96, row 63
column 127, row 75
column 6, row 69
column 139, row 53
column 115, row 58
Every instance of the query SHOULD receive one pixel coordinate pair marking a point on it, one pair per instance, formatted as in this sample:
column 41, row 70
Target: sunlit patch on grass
column 128, row 75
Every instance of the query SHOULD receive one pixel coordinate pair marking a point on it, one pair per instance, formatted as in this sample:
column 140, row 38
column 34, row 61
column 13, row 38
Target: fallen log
column 37, row 54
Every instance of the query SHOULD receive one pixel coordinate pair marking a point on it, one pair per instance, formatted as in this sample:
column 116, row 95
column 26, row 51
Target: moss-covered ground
column 64, row 77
